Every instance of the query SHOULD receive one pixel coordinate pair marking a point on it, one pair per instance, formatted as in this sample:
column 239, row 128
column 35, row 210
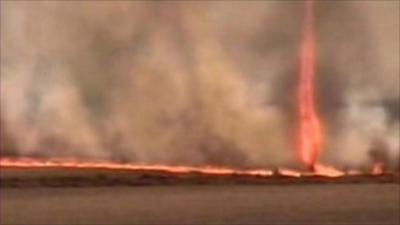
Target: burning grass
column 53, row 173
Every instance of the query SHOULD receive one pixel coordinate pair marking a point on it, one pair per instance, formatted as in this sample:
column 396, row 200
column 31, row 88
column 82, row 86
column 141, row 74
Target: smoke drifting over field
column 196, row 83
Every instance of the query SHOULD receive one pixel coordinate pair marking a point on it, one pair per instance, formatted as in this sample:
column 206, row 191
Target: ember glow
column 320, row 170
column 377, row 169
column 309, row 136
column 69, row 163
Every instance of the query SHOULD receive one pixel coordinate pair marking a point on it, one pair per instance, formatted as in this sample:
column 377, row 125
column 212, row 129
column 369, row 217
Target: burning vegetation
column 211, row 123
column 64, row 173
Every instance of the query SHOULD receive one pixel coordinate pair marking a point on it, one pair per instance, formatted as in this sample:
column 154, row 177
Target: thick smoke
column 196, row 83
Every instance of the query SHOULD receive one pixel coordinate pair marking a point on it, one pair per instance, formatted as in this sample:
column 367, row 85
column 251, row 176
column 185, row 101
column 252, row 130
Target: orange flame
column 70, row 163
column 310, row 134
column 377, row 169
column 320, row 170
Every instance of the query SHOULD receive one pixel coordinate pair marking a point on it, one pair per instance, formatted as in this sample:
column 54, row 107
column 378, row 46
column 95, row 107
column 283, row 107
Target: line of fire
column 309, row 137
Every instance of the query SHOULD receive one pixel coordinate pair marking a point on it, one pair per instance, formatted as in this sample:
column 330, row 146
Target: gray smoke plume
column 195, row 83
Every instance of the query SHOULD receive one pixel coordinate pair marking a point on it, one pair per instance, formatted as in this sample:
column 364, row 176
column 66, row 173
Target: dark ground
column 241, row 204
column 367, row 201
column 62, row 177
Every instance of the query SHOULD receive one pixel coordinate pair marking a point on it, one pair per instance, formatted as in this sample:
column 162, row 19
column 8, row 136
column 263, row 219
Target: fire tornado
column 309, row 133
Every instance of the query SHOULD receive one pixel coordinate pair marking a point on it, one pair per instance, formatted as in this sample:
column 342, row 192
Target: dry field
column 60, row 196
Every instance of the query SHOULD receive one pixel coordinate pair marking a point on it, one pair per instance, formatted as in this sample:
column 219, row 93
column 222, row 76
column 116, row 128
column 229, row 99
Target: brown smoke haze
column 196, row 83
